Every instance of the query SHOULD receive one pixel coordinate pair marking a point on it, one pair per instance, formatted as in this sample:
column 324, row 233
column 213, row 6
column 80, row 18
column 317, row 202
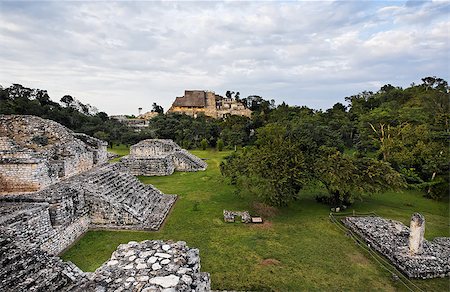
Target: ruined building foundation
column 153, row 157
column 405, row 247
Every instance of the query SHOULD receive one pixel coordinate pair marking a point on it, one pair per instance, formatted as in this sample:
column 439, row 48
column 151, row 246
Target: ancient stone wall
column 153, row 148
column 160, row 157
column 30, row 223
column 185, row 161
column 149, row 166
column 35, row 153
column 197, row 102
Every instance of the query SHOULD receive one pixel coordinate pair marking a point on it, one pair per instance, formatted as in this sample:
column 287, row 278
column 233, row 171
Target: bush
column 204, row 143
column 220, row 144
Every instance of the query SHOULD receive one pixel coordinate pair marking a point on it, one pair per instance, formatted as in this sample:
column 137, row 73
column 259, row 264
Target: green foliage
column 348, row 177
column 204, row 144
column 219, row 144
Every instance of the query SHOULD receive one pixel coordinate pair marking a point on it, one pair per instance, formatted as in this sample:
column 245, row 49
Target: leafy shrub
column 220, row 144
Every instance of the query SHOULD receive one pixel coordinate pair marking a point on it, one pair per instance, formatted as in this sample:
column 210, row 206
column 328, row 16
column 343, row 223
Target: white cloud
column 121, row 56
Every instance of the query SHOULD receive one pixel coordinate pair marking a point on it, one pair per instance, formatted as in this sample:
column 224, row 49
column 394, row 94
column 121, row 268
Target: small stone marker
column 416, row 232
column 257, row 220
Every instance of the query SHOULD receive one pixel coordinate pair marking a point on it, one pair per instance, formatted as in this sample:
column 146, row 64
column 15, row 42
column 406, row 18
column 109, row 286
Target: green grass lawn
column 120, row 150
column 302, row 248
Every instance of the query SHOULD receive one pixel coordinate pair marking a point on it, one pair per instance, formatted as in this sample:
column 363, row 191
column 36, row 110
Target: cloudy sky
column 119, row 56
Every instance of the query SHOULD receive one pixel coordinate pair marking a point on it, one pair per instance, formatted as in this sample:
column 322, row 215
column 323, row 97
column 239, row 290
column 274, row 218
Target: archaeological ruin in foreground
column 56, row 184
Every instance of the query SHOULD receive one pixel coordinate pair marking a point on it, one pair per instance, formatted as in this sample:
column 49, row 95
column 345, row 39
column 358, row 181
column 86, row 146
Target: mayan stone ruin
column 195, row 102
column 35, row 153
column 55, row 185
column 160, row 157
column 152, row 265
column 405, row 246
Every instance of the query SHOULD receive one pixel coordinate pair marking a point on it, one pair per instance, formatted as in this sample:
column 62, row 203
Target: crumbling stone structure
column 394, row 241
column 106, row 197
column 195, row 102
column 25, row 268
column 35, row 153
column 66, row 189
column 152, row 265
column 153, row 157
column 230, row 216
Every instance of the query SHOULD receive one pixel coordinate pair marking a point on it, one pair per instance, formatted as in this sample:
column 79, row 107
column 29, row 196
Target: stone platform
column 152, row 265
column 415, row 256
column 158, row 157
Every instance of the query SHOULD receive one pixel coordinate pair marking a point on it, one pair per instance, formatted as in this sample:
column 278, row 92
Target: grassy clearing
column 120, row 150
column 297, row 250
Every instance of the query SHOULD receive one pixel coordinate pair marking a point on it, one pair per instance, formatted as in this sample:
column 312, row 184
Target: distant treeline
column 405, row 128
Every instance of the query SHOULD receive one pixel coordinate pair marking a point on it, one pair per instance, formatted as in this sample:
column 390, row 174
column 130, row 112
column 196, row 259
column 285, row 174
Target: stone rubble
column 230, row 216
column 158, row 157
column 154, row 266
column 391, row 239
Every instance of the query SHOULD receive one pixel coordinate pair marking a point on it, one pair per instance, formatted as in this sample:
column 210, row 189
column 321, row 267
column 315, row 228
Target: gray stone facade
column 35, row 153
column 155, row 157
column 392, row 239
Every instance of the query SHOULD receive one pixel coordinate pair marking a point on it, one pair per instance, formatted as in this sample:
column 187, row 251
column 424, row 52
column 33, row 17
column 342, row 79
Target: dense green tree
column 348, row 177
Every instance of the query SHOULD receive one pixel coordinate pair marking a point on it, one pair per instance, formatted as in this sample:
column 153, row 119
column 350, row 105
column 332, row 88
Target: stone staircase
column 131, row 204
column 189, row 162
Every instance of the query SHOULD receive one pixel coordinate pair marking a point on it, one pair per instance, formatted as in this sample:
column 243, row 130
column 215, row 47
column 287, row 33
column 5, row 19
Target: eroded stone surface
column 160, row 157
column 391, row 238
column 180, row 272
column 35, row 153
column 417, row 231
column 230, row 216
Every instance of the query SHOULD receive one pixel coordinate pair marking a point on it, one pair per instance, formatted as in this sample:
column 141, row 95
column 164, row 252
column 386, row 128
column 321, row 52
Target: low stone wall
column 230, row 216
column 149, row 166
column 391, row 239
column 152, row 265
column 30, row 224
column 65, row 236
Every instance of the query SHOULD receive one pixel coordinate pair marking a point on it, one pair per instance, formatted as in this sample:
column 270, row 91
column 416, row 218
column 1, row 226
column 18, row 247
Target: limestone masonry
column 405, row 247
column 152, row 266
column 195, row 102
column 35, row 153
column 160, row 157
column 54, row 185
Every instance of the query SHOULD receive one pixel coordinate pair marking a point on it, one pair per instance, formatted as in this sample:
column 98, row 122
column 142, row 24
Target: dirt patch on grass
column 270, row 262
column 358, row 258
column 264, row 225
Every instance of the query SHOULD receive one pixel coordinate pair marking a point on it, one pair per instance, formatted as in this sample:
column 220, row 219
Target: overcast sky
column 119, row 56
